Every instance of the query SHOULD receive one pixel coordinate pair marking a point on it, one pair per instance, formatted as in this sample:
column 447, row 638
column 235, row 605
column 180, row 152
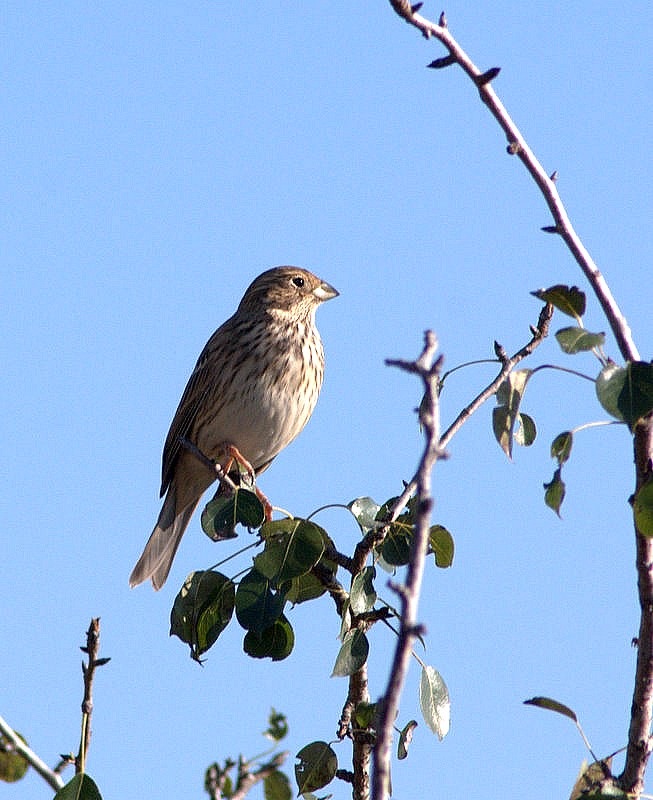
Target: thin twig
column 247, row 780
column 215, row 466
column 409, row 593
column 539, row 332
column 92, row 649
column 49, row 775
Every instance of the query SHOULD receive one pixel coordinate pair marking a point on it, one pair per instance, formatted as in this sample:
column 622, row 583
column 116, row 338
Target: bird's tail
column 162, row 545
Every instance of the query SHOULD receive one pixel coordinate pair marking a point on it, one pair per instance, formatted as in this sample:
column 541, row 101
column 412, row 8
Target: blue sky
column 157, row 157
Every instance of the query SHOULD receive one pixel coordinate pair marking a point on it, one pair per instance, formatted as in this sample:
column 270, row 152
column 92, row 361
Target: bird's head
column 289, row 289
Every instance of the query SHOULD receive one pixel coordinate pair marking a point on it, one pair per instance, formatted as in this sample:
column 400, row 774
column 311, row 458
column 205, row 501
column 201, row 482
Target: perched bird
column 253, row 389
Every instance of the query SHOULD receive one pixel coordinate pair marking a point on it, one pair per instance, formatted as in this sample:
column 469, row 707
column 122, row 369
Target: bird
column 253, row 389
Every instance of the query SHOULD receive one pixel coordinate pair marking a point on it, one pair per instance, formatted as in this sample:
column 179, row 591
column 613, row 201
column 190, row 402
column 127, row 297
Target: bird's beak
column 325, row 291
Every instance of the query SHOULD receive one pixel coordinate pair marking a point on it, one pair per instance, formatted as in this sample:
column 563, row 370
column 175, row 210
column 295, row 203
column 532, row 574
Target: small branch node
column 486, row 77
column 440, row 63
column 514, row 148
column 345, row 775
column 398, row 589
column 418, row 630
column 500, row 352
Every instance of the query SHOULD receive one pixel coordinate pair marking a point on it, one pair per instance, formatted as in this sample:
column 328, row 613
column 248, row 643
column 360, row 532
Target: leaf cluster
column 626, row 393
column 296, row 561
column 280, row 574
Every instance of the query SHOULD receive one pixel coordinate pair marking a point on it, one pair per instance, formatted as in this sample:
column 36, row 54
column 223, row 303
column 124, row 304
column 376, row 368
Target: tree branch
column 639, row 733
column 92, row 649
column 639, row 738
column 362, row 742
column 517, row 145
column 410, row 593
column 49, row 775
column 247, row 780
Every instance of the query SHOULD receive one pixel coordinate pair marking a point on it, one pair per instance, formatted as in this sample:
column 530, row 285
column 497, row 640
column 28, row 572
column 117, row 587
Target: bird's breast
column 269, row 398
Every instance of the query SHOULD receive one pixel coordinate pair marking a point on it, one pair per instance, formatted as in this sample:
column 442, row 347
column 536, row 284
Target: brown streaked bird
column 253, row 389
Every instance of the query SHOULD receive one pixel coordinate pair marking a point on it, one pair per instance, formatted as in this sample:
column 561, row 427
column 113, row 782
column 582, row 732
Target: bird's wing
column 196, row 390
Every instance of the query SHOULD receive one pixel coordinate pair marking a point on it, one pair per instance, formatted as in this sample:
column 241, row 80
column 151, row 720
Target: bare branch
column 49, row 775
column 92, row 649
column 410, row 593
column 517, row 145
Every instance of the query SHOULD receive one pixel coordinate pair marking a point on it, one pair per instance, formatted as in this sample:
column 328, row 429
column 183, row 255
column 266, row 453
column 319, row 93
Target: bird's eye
column 298, row 281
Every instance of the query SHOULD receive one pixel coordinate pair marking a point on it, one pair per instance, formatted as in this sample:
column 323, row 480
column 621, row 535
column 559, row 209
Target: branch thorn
column 500, row 352
column 445, row 61
column 554, row 176
column 442, row 22
column 487, row 76
column 550, row 229
column 414, row 9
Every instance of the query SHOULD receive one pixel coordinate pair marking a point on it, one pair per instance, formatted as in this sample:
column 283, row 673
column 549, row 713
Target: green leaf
column 276, row 786
column 303, row 588
column 396, row 547
column 81, row 787
column 609, row 385
column 364, row 715
column 552, row 705
column 555, row 492
column 275, row 642
column 561, row 447
column 362, row 595
column 434, row 701
column 257, row 606
column 526, row 431
column 643, row 508
column 636, row 397
column 405, row 738
column 505, row 415
column 352, row 655
column 13, row 766
column 225, row 511
column 202, row 610
column 316, row 768
column 292, row 547
column 577, row 340
column 442, row 544
column 277, row 726
column 365, row 511
column 568, row 299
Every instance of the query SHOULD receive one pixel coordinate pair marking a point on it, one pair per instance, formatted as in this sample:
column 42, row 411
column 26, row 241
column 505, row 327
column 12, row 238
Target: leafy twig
column 639, row 739
column 247, row 780
column 49, row 775
column 539, row 332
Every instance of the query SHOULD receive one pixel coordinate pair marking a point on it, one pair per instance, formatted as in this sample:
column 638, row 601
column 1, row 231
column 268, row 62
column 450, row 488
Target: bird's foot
column 233, row 454
column 267, row 505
